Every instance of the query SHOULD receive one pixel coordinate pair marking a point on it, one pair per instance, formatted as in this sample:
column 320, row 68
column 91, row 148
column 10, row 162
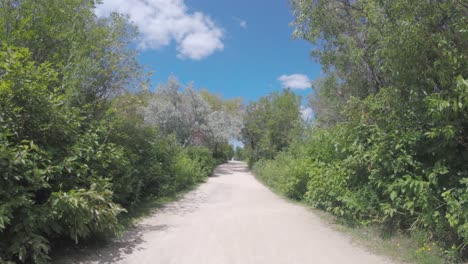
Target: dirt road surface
column 230, row 219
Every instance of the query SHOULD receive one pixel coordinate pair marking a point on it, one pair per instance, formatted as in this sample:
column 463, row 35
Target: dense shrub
column 286, row 173
column 389, row 144
column 379, row 166
column 75, row 152
column 223, row 152
column 63, row 176
column 271, row 125
column 204, row 157
column 186, row 172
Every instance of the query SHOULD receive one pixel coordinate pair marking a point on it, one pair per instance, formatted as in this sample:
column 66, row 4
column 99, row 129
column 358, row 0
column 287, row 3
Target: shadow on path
column 111, row 252
column 133, row 238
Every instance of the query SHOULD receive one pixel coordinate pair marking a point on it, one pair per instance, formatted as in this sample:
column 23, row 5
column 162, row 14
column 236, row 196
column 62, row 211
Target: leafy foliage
column 75, row 149
column 389, row 143
column 194, row 117
column 271, row 125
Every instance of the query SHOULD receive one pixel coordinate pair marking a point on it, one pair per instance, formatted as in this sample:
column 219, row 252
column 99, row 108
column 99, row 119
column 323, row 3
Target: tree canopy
column 389, row 142
column 80, row 141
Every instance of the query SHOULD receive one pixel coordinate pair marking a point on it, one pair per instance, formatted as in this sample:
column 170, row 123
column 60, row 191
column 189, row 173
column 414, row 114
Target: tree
column 196, row 118
column 75, row 145
column 364, row 46
column 271, row 124
column 390, row 145
column 91, row 55
column 239, row 153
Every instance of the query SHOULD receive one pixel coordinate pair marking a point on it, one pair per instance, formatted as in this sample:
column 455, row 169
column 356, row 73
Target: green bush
column 204, row 157
column 37, row 204
column 192, row 165
column 223, row 152
column 79, row 213
column 67, row 174
column 380, row 167
column 389, row 144
column 75, row 150
column 24, row 170
column 285, row 173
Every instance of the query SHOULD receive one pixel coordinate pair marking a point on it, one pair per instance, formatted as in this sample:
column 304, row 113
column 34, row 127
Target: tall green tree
column 390, row 145
column 363, row 46
column 272, row 124
column 90, row 54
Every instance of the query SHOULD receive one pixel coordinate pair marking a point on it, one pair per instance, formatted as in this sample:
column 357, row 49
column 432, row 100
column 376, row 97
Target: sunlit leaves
column 271, row 125
column 194, row 117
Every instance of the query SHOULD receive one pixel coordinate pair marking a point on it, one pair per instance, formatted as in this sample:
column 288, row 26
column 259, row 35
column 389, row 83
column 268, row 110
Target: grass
column 403, row 247
column 411, row 247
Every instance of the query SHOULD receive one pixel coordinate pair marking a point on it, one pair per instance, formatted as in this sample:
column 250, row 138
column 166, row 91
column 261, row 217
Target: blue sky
column 233, row 48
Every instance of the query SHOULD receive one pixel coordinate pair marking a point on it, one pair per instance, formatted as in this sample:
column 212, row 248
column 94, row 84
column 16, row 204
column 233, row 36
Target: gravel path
column 230, row 219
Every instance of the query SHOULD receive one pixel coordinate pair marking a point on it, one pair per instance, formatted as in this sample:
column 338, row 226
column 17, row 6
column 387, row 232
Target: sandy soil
column 230, row 219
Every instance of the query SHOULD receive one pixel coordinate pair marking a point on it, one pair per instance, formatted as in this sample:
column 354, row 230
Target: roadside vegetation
column 388, row 148
column 82, row 139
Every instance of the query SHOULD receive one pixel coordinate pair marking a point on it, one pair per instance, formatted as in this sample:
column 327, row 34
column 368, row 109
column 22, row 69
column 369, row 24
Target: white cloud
column 161, row 22
column 307, row 113
column 243, row 24
column 295, row 81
